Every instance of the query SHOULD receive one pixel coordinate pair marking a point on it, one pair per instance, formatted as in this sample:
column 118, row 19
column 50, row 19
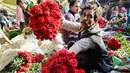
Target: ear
column 70, row 7
column 95, row 17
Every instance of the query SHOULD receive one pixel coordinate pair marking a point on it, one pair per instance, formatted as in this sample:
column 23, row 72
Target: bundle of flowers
column 114, row 44
column 45, row 19
column 61, row 62
column 23, row 62
column 124, row 52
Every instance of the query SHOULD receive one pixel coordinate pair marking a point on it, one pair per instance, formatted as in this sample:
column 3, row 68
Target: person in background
column 26, row 5
column 66, row 5
column 90, row 50
column 19, row 15
column 84, row 2
column 72, row 15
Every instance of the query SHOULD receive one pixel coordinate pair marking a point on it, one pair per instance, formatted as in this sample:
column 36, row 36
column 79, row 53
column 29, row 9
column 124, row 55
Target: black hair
column 86, row 7
column 89, row 7
column 72, row 2
column 18, row 2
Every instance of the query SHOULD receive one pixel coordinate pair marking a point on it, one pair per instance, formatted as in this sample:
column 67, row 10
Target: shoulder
column 68, row 15
column 77, row 15
column 84, row 41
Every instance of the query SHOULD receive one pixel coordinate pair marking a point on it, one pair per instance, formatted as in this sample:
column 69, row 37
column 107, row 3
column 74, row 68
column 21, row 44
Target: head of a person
column 18, row 2
column 74, row 6
column 87, row 17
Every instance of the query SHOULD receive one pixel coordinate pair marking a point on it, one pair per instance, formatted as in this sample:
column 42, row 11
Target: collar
column 72, row 12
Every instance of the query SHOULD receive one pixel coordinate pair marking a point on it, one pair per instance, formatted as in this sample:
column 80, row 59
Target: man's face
column 87, row 17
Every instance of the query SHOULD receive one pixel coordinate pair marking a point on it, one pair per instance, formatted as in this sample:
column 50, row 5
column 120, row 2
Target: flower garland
column 45, row 20
column 114, row 44
column 61, row 62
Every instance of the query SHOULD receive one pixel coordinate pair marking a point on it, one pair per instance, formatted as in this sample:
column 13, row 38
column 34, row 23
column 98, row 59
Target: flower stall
column 34, row 50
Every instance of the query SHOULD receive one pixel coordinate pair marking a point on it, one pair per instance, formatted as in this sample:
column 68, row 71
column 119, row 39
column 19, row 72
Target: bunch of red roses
column 29, row 59
column 114, row 44
column 61, row 62
column 45, row 20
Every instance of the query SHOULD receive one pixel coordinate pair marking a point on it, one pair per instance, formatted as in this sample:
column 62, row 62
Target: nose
column 85, row 18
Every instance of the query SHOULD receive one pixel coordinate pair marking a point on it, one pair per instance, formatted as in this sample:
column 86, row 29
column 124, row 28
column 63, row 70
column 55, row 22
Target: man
column 89, row 49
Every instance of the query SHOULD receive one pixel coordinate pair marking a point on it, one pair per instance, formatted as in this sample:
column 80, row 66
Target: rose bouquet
column 45, row 19
column 114, row 44
column 23, row 62
column 61, row 62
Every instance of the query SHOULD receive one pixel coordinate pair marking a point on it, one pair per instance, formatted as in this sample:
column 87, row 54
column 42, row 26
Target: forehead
column 88, row 10
column 76, row 4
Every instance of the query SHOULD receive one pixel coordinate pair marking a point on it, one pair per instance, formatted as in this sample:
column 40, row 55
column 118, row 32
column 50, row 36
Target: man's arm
column 69, row 25
column 81, row 45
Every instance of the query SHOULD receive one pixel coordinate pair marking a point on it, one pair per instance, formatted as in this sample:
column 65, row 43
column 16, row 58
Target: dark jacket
column 91, row 51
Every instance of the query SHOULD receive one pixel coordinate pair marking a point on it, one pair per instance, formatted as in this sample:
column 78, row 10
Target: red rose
column 61, row 61
column 39, row 57
column 29, row 59
column 20, row 53
column 26, row 54
column 44, row 69
column 36, row 10
column 54, row 6
column 23, row 68
column 114, row 44
column 79, row 71
column 56, row 71
column 45, row 20
column 40, row 18
column 64, row 69
column 46, row 14
column 19, row 72
column 28, row 64
column 73, row 62
column 34, row 60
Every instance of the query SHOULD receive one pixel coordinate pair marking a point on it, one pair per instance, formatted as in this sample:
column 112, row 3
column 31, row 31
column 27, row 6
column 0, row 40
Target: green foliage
column 14, row 65
column 13, row 33
column 46, row 56
column 35, row 68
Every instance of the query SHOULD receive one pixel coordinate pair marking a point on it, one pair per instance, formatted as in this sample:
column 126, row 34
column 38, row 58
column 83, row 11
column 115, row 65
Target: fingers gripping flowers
column 45, row 20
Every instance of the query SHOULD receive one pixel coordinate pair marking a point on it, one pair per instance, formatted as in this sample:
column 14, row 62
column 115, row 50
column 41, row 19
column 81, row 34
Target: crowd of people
column 82, row 25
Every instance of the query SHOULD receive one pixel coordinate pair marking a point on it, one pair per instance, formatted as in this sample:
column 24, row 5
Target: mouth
column 89, row 16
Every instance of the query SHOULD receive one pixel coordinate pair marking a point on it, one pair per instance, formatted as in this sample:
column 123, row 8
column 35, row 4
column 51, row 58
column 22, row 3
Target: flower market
column 65, row 36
